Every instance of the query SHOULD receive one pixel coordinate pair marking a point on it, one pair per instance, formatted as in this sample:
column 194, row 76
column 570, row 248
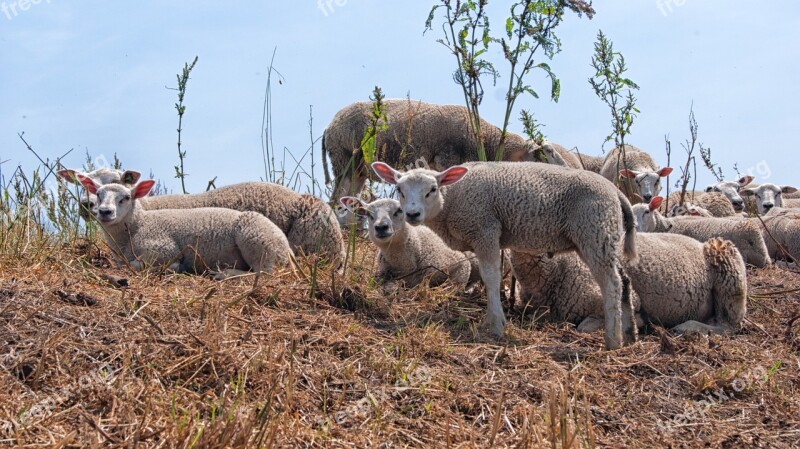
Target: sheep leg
column 489, row 265
column 611, row 285
column 590, row 324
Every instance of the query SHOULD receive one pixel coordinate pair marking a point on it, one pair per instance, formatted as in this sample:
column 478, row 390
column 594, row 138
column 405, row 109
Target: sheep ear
column 655, row 203
column 451, row 176
column 745, row 180
column 694, row 212
column 143, row 188
column 625, row 173
column 70, row 175
column 710, row 189
column 386, row 172
column 747, row 192
column 354, row 205
column 130, row 177
column 665, row 171
column 788, row 189
column 88, row 183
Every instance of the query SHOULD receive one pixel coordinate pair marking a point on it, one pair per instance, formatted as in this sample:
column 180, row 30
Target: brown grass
column 183, row 361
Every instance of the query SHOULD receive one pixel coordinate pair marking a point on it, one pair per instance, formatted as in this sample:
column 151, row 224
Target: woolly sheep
column 408, row 254
column 637, row 175
column 676, row 282
column 102, row 176
column 767, row 196
column 746, row 235
column 731, row 191
column 716, row 203
column 190, row 240
column 687, row 209
column 591, row 163
column 781, row 232
column 418, row 134
column 527, row 207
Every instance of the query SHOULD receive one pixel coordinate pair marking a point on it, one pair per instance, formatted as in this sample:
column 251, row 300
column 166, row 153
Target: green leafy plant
column 183, row 78
column 377, row 124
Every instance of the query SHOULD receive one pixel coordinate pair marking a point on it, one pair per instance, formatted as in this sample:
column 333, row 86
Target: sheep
column 731, row 190
column 716, row 203
column 781, row 231
column 417, row 133
column 102, row 176
column 558, row 155
column 745, row 234
column 767, row 196
column 676, row 282
column 687, row 209
column 190, row 240
column 637, row 167
column 591, row 163
column 528, row 207
column 310, row 225
column 408, row 254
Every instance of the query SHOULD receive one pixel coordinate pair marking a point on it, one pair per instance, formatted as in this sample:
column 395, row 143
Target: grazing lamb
column 638, row 175
column 418, row 134
column 527, row 207
column 408, row 254
column 715, row 203
column 676, row 282
column 745, row 234
column 731, row 191
column 190, row 240
column 102, row 176
column 767, row 196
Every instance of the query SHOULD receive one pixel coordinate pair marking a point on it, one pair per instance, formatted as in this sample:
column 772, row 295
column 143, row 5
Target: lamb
column 408, row 254
column 637, row 167
column 527, row 207
column 310, row 225
column 190, row 240
column 731, row 190
column 421, row 134
column 746, row 235
column 716, row 203
column 676, row 282
column 103, row 176
column 767, row 196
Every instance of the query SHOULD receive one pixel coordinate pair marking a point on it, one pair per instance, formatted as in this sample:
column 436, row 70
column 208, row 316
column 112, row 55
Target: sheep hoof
column 693, row 327
column 495, row 324
column 589, row 325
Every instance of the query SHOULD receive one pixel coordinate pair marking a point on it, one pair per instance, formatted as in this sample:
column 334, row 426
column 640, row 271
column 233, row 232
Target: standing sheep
column 745, row 234
column 190, row 240
column 676, row 282
column 417, row 134
column 408, row 254
column 636, row 174
column 527, row 207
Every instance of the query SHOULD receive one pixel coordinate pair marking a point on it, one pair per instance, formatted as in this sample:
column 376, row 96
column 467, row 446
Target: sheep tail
column 730, row 286
column 630, row 227
column 325, row 161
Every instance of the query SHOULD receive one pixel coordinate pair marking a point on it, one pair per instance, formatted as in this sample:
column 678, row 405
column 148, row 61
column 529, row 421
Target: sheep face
column 115, row 202
column 731, row 190
column 645, row 215
column 420, row 189
column 102, row 176
column 648, row 183
column 768, row 196
column 385, row 218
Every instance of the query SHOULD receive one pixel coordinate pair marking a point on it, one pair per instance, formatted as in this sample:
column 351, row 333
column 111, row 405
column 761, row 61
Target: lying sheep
column 190, row 240
column 767, row 196
column 637, row 175
column 781, row 231
column 687, row 209
column 745, row 234
column 676, row 282
column 420, row 134
column 592, row 163
column 527, row 207
column 731, row 190
column 716, row 203
column 102, row 176
column 310, row 225
column 408, row 254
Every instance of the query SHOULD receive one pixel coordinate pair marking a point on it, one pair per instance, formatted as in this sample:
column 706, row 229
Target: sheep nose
column 768, row 206
column 103, row 212
column 381, row 229
column 413, row 216
column 647, row 198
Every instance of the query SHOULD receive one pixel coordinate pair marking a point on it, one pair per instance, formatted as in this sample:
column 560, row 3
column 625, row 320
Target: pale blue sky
column 92, row 76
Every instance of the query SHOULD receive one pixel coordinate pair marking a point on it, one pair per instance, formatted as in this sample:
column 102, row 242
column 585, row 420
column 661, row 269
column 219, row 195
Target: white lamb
column 637, row 174
column 677, row 282
column 745, row 234
column 527, row 207
column 190, row 240
column 408, row 255
column 102, row 176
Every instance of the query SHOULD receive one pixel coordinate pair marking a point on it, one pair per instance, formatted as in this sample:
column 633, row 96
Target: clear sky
column 92, row 75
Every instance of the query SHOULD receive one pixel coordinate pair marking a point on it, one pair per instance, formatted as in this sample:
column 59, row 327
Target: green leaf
column 509, row 26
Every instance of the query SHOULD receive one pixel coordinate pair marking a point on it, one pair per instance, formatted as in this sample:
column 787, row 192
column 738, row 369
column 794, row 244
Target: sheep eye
column 433, row 189
column 398, row 212
column 400, row 192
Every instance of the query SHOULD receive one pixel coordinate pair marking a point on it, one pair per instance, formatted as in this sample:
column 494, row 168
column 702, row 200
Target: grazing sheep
column 408, row 254
column 527, row 207
column 745, row 234
column 190, row 240
column 102, row 176
column 676, row 282
column 716, row 203
column 637, row 175
column 418, row 134
column 731, row 191
column 767, row 196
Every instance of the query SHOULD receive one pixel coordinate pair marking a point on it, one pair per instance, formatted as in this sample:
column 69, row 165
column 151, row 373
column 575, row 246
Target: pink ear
column 143, row 188
column 745, row 180
column 69, row 174
column 664, row 172
column 655, row 203
column 452, row 175
column 385, row 172
column 694, row 212
column 625, row 173
column 788, row 189
column 131, row 177
column 354, row 205
column 88, row 183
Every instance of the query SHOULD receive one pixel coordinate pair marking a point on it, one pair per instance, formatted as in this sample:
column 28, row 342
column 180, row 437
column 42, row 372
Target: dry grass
column 183, row 361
